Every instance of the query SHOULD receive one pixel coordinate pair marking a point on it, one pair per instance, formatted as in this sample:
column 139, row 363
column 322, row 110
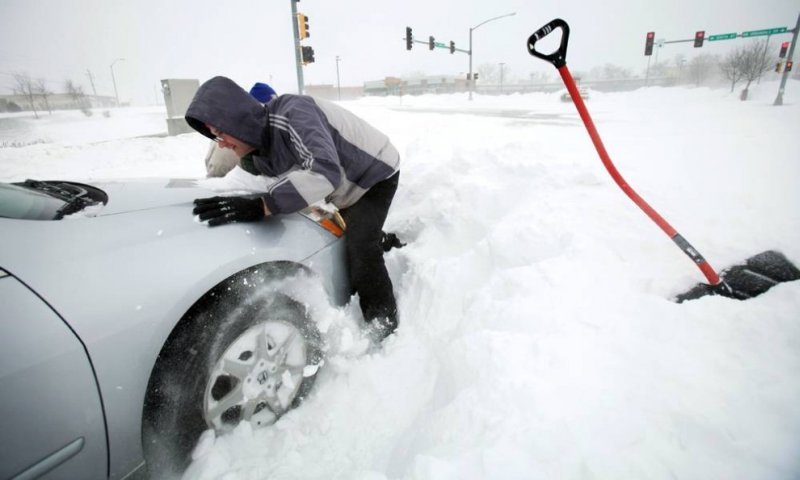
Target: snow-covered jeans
column 368, row 275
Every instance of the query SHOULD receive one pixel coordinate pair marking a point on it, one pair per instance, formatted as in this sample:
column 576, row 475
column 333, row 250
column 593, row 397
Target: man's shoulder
column 291, row 106
column 290, row 98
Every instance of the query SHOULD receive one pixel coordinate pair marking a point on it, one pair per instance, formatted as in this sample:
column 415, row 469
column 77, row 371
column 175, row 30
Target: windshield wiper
column 75, row 197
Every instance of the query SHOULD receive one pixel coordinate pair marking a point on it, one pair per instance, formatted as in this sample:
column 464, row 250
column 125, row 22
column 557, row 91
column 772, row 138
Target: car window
column 24, row 204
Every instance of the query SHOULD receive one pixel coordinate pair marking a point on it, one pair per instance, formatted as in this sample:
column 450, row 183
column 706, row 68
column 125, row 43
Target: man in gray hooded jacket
column 317, row 150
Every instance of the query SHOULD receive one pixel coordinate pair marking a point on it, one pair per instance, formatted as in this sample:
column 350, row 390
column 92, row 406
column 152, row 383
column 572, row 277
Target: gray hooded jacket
column 315, row 148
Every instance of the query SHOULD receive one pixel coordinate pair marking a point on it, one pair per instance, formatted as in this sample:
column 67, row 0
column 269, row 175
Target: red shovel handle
column 559, row 60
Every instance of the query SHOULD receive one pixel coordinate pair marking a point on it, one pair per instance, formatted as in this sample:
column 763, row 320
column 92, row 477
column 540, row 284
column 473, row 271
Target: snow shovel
column 757, row 275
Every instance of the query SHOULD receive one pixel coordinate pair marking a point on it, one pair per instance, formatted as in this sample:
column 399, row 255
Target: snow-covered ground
column 537, row 338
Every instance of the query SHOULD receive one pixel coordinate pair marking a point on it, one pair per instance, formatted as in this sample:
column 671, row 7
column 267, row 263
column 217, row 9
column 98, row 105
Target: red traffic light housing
column 698, row 38
column 784, row 47
column 648, row 43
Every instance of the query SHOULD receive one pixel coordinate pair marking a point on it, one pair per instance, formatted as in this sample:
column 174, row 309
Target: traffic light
column 648, row 43
column 430, row 43
column 789, row 66
column 308, row 55
column 409, row 38
column 474, row 76
column 699, row 36
column 452, row 46
column 302, row 26
column 784, row 47
column 778, row 67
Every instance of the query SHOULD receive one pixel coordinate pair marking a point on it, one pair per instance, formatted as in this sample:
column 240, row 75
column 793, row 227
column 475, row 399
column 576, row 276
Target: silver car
column 129, row 327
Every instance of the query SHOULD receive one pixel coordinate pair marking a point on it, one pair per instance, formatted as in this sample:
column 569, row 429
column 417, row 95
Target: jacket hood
column 222, row 103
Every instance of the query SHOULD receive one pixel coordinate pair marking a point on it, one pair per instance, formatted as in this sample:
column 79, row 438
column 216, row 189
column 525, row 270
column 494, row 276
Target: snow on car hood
column 127, row 196
column 141, row 194
column 132, row 195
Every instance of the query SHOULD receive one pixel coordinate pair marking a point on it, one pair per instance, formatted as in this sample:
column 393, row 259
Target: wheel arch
column 226, row 291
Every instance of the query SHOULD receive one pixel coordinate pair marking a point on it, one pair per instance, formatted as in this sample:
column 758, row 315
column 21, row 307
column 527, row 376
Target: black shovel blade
column 757, row 275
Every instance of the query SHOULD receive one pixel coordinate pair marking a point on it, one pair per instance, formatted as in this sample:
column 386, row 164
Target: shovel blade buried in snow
column 757, row 275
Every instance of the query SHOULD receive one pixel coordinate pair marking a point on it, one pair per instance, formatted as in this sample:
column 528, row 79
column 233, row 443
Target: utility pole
column 297, row 52
column 91, row 80
column 114, row 80
column 501, row 76
column 782, row 88
column 338, row 83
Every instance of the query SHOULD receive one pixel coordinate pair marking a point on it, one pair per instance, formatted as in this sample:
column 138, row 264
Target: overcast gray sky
column 251, row 40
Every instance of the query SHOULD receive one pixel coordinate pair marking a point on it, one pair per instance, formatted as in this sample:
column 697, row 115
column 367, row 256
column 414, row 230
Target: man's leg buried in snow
column 368, row 274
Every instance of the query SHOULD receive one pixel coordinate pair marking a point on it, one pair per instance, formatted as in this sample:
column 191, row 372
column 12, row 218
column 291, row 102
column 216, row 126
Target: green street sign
column 441, row 45
column 766, row 31
column 722, row 36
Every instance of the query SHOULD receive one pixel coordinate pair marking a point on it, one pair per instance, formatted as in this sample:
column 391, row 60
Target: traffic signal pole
column 471, row 78
column 409, row 38
column 795, row 32
column 297, row 52
column 700, row 37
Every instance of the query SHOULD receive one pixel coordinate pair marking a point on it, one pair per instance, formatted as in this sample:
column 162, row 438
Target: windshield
column 21, row 203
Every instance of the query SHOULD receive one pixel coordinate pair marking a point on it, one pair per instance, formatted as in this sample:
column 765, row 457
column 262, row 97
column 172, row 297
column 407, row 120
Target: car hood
column 133, row 195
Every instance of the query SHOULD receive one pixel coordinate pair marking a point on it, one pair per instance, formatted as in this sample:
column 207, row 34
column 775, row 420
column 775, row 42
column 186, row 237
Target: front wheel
column 236, row 356
column 259, row 376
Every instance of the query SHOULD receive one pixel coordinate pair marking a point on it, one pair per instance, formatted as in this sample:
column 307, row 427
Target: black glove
column 222, row 210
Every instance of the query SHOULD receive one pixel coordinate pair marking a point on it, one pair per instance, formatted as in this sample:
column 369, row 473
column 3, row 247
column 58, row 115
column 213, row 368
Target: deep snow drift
column 537, row 339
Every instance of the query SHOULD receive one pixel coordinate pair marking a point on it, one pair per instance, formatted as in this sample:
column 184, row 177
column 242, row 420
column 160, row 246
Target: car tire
column 243, row 352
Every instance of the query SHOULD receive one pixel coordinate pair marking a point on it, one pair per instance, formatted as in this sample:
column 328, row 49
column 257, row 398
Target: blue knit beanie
column 262, row 92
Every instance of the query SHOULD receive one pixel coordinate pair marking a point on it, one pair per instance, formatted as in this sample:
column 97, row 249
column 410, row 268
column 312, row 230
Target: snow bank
column 537, row 339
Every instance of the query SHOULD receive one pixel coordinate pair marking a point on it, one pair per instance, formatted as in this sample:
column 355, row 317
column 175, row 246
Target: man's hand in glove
column 222, row 210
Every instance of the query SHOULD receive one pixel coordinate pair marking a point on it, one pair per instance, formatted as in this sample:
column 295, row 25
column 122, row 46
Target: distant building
column 415, row 85
column 331, row 92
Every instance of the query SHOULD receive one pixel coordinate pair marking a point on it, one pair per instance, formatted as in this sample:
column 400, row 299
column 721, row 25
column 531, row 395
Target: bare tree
column 74, row 91
column 488, row 72
column 610, row 72
column 27, row 89
column 731, row 66
column 678, row 71
column 754, row 61
column 538, row 77
column 41, row 89
column 701, row 67
column 659, row 69
column 79, row 99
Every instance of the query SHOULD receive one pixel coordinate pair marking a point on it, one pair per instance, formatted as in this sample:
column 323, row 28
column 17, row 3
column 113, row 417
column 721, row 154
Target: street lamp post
column 501, row 76
column 114, row 80
column 338, row 83
column 471, row 79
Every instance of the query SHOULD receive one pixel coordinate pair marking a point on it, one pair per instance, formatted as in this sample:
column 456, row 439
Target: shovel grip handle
column 559, row 57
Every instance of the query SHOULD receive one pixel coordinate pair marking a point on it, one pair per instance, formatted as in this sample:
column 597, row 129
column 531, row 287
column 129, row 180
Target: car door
column 51, row 418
